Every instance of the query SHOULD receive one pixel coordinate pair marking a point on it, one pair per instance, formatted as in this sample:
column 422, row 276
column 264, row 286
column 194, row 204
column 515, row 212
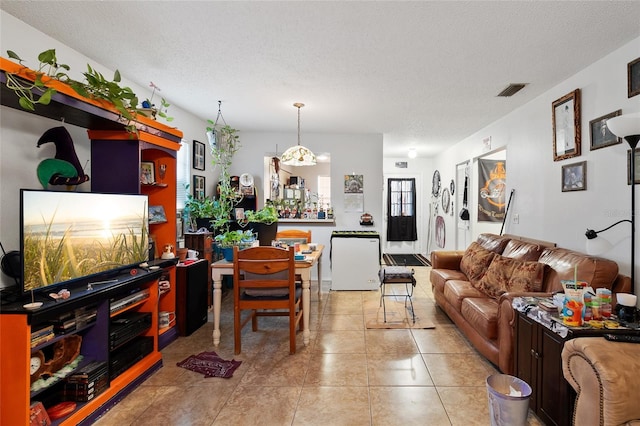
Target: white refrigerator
column 355, row 260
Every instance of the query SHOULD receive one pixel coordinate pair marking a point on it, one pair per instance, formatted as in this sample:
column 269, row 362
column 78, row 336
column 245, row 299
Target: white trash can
column 508, row 400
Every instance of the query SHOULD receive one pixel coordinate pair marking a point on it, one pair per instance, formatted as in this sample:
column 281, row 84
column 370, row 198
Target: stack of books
column 88, row 382
column 42, row 335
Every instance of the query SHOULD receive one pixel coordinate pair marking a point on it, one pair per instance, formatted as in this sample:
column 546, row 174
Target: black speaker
column 10, row 264
column 192, row 296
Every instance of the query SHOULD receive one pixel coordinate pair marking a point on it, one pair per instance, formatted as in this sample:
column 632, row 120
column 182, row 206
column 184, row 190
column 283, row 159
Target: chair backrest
column 294, row 236
column 263, row 271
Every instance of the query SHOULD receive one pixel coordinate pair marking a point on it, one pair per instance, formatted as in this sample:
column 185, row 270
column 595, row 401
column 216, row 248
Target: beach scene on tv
column 69, row 235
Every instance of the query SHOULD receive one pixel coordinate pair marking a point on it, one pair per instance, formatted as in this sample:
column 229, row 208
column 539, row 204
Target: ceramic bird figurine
column 65, row 168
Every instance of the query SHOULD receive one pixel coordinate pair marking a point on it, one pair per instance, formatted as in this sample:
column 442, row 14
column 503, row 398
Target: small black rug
column 405, row 260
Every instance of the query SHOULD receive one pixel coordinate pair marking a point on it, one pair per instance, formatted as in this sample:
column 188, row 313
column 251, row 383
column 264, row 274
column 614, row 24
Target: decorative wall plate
column 435, row 184
column 440, row 232
column 446, row 200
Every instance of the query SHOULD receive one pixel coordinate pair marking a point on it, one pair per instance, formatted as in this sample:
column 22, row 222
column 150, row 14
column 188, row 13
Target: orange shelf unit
column 76, row 109
column 15, row 352
column 116, row 157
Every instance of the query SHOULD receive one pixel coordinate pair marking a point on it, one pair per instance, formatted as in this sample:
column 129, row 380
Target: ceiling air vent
column 512, row 89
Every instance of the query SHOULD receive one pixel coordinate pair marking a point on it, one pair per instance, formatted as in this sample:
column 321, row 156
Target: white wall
column 545, row 212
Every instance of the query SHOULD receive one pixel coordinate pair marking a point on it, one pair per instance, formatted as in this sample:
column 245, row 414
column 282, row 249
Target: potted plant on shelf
column 264, row 222
column 37, row 87
column 199, row 212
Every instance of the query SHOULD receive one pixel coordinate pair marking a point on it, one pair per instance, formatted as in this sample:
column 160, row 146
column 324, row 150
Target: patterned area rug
column 210, row 364
column 398, row 316
column 406, row 259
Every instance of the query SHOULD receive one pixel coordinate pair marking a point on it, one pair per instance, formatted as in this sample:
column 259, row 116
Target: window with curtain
column 183, row 174
column 401, row 210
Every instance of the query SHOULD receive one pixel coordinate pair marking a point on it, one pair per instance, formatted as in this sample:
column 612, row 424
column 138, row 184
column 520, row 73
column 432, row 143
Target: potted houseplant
column 199, row 211
column 228, row 239
column 264, row 222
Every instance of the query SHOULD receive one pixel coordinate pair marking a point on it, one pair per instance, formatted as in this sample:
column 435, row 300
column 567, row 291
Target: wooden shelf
column 77, row 110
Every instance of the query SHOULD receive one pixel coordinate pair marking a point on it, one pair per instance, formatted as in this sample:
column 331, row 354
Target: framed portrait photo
column 198, row 187
column 600, row 134
column 198, row 155
column 147, row 172
column 566, row 126
column 636, row 166
column 574, row 177
column 633, row 78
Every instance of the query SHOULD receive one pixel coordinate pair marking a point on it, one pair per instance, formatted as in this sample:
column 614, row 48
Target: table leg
column 319, row 276
column 217, row 304
column 306, row 305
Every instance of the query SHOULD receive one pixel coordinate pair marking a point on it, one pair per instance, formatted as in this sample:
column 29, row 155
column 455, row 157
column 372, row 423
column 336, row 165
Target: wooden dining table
column 303, row 268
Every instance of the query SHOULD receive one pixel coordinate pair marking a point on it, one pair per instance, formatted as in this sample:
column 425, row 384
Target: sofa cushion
column 598, row 272
column 505, row 274
column 475, row 261
column 522, row 250
column 482, row 314
column 440, row 276
column 493, row 242
column 456, row 291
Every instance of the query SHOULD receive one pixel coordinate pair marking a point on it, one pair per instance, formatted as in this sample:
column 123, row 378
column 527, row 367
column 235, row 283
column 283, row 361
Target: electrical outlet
column 516, row 218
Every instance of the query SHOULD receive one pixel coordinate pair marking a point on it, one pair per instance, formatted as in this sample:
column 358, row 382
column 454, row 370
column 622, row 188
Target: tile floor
column 348, row 375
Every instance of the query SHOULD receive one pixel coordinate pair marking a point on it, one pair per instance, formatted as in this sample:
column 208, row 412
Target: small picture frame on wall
column 636, row 166
column 574, row 177
column 566, row 126
column 147, row 172
column 600, row 134
column 633, row 78
column 198, row 155
column 198, row 187
column 157, row 215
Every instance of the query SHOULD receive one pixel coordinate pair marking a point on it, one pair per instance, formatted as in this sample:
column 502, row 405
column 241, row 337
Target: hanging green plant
column 95, row 86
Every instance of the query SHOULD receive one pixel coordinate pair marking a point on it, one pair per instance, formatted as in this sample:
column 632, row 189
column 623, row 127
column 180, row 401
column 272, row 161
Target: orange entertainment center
column 114, row 333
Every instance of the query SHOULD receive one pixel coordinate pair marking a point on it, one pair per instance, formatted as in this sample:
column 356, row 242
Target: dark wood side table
column 191, row 292
column 203, row 243
column 537, row 360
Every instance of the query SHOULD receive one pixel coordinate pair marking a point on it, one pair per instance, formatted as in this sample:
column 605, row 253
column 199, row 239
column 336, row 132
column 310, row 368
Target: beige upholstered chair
column 604, row 375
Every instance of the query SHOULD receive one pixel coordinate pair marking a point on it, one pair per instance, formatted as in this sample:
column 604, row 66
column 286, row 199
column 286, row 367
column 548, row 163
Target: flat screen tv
column 68, row 236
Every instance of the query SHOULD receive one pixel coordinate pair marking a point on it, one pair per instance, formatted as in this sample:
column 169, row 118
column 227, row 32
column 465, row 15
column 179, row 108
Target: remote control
column 622, row 338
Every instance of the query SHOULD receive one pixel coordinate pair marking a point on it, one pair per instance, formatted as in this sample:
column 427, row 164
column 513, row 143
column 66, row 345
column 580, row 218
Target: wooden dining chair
column 263, row 282
column 294, row 236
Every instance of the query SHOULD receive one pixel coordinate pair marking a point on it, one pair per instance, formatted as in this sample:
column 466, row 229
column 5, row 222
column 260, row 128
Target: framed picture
column 198, row 155
column 239, row 213
column 636, row 166
column 601, row 136
column 147, row 172
column 198, row 187
column 633, row 78
column 566, row 126
column 157, row 215
column 574, row 177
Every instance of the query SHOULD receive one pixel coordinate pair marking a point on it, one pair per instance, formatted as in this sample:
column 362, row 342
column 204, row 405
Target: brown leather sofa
column 475, row 287
column 604, row 376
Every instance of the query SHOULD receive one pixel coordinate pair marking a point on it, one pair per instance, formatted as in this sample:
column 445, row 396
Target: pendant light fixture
column 298, row 155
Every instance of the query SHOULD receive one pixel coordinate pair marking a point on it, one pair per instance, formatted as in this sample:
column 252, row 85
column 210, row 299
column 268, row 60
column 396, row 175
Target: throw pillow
column 505, row 274
column 475, row 261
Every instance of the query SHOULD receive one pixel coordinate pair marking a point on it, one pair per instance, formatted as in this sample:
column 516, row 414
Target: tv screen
column 66, row 236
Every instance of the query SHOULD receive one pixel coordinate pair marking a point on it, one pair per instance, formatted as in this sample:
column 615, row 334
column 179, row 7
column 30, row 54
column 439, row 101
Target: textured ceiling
column 424, row 74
